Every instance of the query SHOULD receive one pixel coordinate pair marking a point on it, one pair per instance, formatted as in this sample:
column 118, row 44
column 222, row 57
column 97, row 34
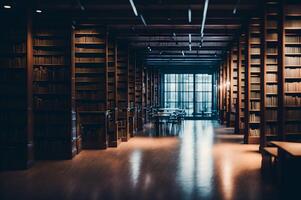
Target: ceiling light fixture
column 143, row 20
column 149, row 48
column 134, row 7
column 204, row 17
column 189, row 38
column 235, row 8
column 80, row 5
column 189, row 15
column 38, row 11
column 7, row 6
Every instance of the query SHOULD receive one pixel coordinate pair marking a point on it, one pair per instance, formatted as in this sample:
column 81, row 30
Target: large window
column 192, row 92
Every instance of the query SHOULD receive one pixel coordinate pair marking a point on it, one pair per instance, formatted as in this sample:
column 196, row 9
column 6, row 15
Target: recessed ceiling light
column 189, row 15
column 38, row 11
column 7, row 6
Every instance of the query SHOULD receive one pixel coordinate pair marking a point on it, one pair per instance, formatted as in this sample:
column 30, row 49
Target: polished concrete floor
column 204, row 162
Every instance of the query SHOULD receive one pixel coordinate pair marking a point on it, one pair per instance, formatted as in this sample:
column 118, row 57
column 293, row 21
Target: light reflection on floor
column 203, row 162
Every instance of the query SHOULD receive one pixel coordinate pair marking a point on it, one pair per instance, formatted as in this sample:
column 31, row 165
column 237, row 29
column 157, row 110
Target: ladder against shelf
column 90, row 59
column 54, row 116
column 16, row 142
column 292, row 71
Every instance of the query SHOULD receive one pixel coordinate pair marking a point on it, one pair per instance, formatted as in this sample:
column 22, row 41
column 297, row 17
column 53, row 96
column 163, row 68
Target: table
column 289, row 162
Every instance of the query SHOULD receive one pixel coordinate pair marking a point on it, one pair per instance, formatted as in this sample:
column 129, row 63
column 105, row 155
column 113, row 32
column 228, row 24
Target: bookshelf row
column 269, row 76
column 65, row 89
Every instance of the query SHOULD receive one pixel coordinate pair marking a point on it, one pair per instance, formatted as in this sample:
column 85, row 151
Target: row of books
column 271, row 130
column 271, row 77
column 272, row 36
column 89, row 59
column 255, row 79
column 292, row 100
column 292, row 60
column 255, row 94
column 293, row 39
column 293, row 114
column 255, row 40
column 293, row 128
column 272, row 61
column 292, row 23
column 90, row 30
column 292, row 86
column 46, row 74
column 13, row 48
column 271, row 114
column 271, row 88
column 15, row 62
column 94, row 95
column 292, row 49
column 272, row 50
column 255, row 50
column 87, row 39
column 49, row 42
column 255, row 69
column 255, row 87
column 59, row 60
column 50, row 88
column 271, row 101
column 272, row 67
column 293, row 72
column 255, row 61
column 49, row 104
column 254, row 132
column 255, row 105
column 254, row 117
column 90, row 70
column 95, row 106
column 89, row 49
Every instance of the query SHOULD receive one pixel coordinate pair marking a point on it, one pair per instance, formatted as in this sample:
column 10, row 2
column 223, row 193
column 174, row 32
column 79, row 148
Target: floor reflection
column 203, row 162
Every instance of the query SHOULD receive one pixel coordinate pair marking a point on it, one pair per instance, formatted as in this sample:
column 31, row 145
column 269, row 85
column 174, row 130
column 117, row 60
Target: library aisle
column 206, row 161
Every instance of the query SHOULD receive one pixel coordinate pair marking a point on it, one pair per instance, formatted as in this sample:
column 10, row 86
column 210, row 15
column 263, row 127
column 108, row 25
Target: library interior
column 150, row 99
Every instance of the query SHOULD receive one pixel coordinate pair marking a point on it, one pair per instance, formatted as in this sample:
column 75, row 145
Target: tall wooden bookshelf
column 54, row 127
column 241, row 82
column 113, row 139
column 122, row 91
column 131, row 92
column 292, row 71
column 270, row 122
column 90, row 42
column 139, row 94
column 227, row 85
column 16, row 139
column 254, row 81
column 233, row 86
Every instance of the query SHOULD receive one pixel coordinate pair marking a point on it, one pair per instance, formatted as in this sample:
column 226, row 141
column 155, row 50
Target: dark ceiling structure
column 168, row 32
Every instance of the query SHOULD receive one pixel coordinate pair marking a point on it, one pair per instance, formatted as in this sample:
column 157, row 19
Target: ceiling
column 165, row 38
